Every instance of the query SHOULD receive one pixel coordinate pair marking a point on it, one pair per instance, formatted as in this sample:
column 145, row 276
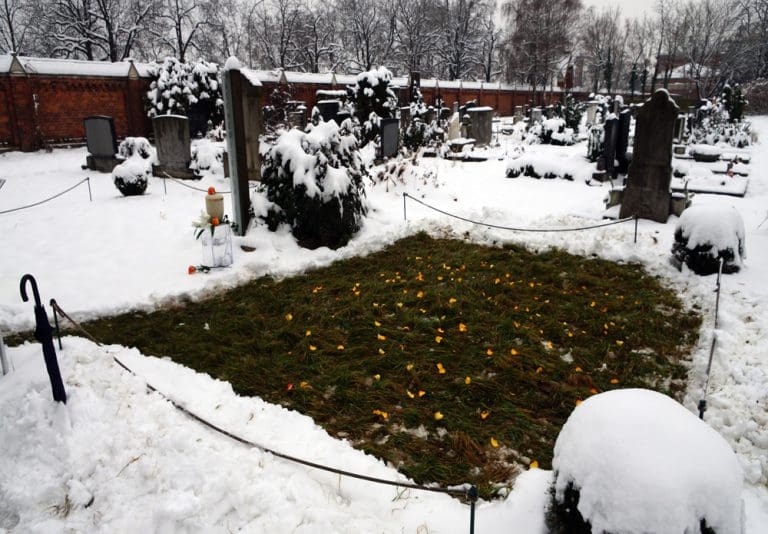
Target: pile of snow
column 706, row 233
column 207, row 156
column 641, row 462
column 541, row 165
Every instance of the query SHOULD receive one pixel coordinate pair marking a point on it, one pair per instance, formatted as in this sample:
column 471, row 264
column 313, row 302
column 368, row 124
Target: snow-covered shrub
column 276, row 110
column 572, row 113
column 704, row 235
column 423, row 130
column 535, row 166
column 132, row 176
column 207, row 156
column 636, row 461
column 189, row 89
column 757, row 94
column 550, row 131
column 372, row 99
column 734, row 102
column 314, row 180
column 404, row 171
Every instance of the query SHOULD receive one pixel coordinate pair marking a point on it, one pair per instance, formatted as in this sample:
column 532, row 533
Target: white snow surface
column 150, row 468
column 643, row 463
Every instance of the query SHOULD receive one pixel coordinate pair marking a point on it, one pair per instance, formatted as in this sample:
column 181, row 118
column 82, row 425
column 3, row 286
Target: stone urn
column 214, row 205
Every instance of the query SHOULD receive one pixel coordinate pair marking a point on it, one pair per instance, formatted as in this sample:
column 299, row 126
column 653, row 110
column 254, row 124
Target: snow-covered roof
column 72, row 67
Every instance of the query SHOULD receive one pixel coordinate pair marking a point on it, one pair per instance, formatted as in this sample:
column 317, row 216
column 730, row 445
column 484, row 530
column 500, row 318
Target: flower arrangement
column 206, row 222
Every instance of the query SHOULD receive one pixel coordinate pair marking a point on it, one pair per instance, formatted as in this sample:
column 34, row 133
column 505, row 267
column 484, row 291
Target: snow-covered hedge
column 704, row 234
column 178, row 88
column 314, row 181
column 207, row 156
column 538, row 166
column 551, row 131
column 372, row 100
column 636, row 461
column 132, row 176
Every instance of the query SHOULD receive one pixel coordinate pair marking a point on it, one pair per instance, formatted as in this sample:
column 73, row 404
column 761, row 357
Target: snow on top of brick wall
column 74, row 67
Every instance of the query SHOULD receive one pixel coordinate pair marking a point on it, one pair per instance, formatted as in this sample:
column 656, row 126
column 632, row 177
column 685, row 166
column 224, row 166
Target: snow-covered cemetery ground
column 118, row 458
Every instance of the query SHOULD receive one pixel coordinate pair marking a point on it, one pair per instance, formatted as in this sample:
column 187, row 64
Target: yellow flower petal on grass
column 494, row 443
column 308, row 333
column 377, row 376
column 489, row 352
column 383, row 415
column 484, row 415
column 381, row 337
column 438, row 416
column 440, row 368
column 467, row 380
column 438, row 339
column 381, row 351
column 539, row 370
column 534, row 465
column 312, row 348
column 409, row 366
column 339, row 347
column 452, row 300
column 614, row 380
column 289, row 317
column 376, row 323
column 410, row 395
column 399, row 304
column 514, row 352
column 462, row 327
column 619, row 342
column 421, row 393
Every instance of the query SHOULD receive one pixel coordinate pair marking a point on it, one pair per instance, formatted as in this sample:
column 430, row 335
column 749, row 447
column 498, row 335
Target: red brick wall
column 6, row 128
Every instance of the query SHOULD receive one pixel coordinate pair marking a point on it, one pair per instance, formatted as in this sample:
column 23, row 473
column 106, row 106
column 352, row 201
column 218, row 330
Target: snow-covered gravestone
column 481, row 125
column 706, row 234
column 537, row 115
column 173, row 146
column 328, row 109
column 647, row 194
column 390, row 136
column 102, row 143
column 245, row 123
column 636, row 461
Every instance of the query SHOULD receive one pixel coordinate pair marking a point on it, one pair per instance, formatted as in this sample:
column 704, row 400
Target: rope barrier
column 470, row 492
column 169, row 177
column 703, row 401
column 51, row 198
column 512, row 228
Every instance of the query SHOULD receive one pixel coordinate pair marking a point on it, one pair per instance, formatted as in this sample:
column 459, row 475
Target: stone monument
column 102, row 143
column 622, row 141
column 647, row 193
column 328, row 109
column 481, row 125
column 173, row 148
column 390, row 135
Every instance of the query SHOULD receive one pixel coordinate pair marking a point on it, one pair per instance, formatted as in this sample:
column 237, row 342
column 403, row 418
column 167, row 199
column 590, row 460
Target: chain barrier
column 515, row 229
column 90, row 196
column 469, row 492
column 703, row 401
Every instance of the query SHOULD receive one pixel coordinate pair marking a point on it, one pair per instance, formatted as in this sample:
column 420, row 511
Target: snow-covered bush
column 572, row 113
column 186, row 89
column 207, row 156
column 734, row 102
column 423, row 130
column 704, row 235
column 314, row 180
column 636, row 461
column 372, row 99
column 536, row 166
column 550, row 131
column 403, row 171
column 132, row 176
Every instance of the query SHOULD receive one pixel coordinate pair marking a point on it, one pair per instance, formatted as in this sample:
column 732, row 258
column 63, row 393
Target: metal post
column 90, row 195
column 405, row 213
column 165, row 186
column 4, row 358
column 56, row 321
column 472, row 494
column 637, row 218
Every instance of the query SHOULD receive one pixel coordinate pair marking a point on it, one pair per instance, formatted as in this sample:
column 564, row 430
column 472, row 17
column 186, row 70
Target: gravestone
column 390, row 135
column 518, row 114
column 297, row 119
column 173, row 148
column 481, row 125
column 341, row 116
column 102, row 143
column 591, row 112
column 622, row 141
column 454, row 124
column 328, row 108
column 536, row 115
column 680, row 127
column 607, row 159
column 405, row 117
column 245, row 123
column 647, row 193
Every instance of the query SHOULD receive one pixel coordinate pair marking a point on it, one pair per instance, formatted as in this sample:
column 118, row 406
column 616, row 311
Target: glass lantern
column 217, row 246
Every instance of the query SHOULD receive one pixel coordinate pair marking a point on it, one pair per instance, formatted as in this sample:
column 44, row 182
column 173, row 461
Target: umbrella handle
column 31, row 279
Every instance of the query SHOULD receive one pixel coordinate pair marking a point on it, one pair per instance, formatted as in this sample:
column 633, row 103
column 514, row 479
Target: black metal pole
column 405, row 213
column 165, row 187
column 636, row 221
column 56, row 321
column 90, row 195
column 472, row 494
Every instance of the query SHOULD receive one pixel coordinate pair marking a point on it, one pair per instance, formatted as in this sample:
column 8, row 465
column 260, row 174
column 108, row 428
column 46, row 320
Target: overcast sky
column 630, row 8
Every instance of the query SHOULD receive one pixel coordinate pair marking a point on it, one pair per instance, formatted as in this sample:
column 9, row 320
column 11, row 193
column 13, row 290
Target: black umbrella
column 44, row 334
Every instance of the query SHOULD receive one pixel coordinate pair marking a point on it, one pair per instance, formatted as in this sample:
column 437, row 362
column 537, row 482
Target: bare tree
column 490, row 39
column 177, row 25
column 368, row 32
column 416, row 34
column 317, row 45
column 14, row 24
column 277, row 31
column 603, row 41
column 642, row 36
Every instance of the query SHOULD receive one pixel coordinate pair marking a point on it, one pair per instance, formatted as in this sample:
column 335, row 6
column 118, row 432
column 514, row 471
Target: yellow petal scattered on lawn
column 592, row 304
column 289, row 317
column 377, row 376
column 462, row 327
column 303, row 384
column 438, row 416
column 409, row 367
column 619, row 342
column 497, row 281
column 484, row 415
column 440, row 330
column 578, row 370
column 532, row 284
column 312, row 348
column 440, row 278
column 420, row 277
column 440, row 368
column 309, row 333
column 534, row 465
column 381, row 351
column 383, row 415
column 489, row 352
column 421, row 393
column 468, row 380
column 438, row 339
column 570, row 334
column 399, row 304
column 578, row 401
column 548, row 345
column 514, row 352
column 375, row 304
column 494, row 443
column 451, row 300
column 420, row 295
column 339, row 347
column 422, row 310
column 376, row 323
column 614, row 380
column 381, row 337
column 410, row 395
column 593, row 391
column 539, row 370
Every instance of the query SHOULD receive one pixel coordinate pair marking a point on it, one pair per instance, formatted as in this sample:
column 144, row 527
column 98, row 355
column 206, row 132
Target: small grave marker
column 481, row 125
column 390, row 135
column 101, row 140
column 173, row 148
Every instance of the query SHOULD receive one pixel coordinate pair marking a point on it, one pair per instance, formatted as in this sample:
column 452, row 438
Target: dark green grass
column 354, row 345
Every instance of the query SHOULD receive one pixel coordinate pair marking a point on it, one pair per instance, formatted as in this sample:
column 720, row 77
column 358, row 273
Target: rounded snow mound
column 704, row 234
column 641, row 462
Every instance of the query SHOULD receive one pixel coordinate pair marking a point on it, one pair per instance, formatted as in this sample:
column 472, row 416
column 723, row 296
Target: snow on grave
column 704, row 235
column 636, row 461
column 173, row 146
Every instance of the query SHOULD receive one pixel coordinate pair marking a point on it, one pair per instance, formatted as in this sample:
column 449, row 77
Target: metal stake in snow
column 703, row 401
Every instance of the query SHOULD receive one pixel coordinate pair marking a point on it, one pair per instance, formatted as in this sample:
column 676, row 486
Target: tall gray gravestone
column 173, row 148
column 390, row 135
column 102, row 143
column 622, row 141
column 481, row 125
column 245, row 123
column 607, row 160
column 519, row 114
column 647, row 193
column 328, row 108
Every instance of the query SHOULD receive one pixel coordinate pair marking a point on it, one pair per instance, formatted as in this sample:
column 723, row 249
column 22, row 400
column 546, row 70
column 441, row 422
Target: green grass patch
column 454, row 362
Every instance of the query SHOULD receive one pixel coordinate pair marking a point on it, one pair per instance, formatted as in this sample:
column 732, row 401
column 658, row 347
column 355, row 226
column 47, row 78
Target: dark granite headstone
column 647, row 193
column 405, row 117
column 607, row 159
column 481, row 125
column 328, row 108
column 622, row 141
column 390, row 135
column 536, row 115
column 173, row 148
column 102, row 143
column 679, row 132
column 341, row 116
column 297, row 119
